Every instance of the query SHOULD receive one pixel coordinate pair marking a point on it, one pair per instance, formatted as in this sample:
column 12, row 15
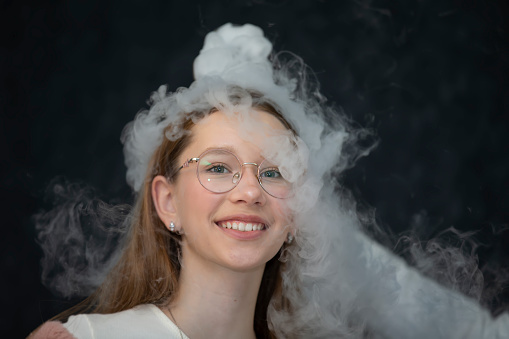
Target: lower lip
column 240, row 235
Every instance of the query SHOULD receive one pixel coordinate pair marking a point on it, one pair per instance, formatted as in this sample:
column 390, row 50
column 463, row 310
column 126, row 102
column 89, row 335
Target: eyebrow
column 225, row 147
column 229, row 148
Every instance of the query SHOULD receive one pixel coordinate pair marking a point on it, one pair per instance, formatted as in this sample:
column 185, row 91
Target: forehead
column 264, row 121
column 235, row 130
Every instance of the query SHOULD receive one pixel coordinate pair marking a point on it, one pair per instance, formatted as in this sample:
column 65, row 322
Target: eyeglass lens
column 219, row 171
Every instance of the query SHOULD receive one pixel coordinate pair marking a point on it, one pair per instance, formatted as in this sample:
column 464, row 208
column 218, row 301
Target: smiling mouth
column 242, row 226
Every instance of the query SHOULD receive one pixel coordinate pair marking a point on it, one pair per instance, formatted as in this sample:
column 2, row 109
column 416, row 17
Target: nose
column 248, row 190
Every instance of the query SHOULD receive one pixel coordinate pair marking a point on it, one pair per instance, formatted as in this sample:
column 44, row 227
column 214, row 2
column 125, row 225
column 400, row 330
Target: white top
column 143, row 321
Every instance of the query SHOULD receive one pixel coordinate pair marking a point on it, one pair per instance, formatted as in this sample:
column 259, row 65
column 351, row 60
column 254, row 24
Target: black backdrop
column 430, row 77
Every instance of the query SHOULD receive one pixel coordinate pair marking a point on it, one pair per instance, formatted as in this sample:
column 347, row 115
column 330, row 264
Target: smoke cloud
column 341, row 281
column 80, row 237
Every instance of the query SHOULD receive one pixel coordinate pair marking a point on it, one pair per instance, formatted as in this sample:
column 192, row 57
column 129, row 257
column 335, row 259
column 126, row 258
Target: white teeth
column 241, row 226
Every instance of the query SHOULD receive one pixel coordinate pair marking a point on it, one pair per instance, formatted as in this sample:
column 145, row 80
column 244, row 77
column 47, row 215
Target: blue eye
column 218, row 169
column 271, row 174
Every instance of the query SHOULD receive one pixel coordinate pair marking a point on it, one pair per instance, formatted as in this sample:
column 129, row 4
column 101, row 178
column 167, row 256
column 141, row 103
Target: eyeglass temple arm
column 185, row 164
column 188, row 161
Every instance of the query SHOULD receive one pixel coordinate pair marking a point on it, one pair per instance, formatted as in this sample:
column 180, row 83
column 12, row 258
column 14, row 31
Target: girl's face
column 202, row 215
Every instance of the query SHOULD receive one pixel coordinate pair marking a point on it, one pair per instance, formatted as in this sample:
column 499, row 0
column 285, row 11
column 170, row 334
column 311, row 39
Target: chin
column 246, row 262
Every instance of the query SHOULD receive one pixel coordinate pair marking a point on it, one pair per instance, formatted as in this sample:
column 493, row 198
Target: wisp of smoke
column 341, row 283
column 80, row 238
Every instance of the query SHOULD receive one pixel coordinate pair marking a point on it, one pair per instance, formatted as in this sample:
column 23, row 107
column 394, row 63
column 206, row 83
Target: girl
column 235, row 233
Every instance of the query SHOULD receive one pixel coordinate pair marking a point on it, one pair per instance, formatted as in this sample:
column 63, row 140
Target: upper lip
column 244, row 218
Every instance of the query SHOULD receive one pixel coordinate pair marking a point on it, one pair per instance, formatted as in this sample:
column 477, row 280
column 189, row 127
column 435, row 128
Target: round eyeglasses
column 219, row 171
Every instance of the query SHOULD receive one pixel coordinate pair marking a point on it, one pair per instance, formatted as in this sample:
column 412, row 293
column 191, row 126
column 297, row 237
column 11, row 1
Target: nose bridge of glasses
column 249, row 163
column 257, row 167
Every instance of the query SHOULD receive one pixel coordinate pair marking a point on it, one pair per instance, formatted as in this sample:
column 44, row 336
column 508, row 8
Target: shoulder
column 51, row 330
column 143, row 321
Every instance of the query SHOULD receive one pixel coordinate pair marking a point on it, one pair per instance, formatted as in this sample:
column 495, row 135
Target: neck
column 214, row 301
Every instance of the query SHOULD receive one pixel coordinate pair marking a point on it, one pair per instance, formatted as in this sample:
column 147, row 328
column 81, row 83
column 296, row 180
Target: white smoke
column 340, row 281
column 80, row 238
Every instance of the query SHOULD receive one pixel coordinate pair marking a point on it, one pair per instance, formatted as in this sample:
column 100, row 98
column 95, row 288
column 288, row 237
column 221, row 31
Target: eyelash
column 212, row 168
column 273, row 169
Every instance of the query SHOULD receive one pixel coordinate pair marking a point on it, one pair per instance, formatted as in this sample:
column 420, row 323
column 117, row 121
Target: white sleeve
column 80, row 327
column 142, row 321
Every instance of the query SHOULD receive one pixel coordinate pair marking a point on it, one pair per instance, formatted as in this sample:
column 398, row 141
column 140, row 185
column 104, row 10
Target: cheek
column 283, row 213
column 195, row 203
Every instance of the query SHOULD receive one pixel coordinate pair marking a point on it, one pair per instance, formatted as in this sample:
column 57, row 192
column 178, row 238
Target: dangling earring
column 289, row 238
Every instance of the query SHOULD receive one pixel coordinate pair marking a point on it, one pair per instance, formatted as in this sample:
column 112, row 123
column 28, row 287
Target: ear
column 163, row 196
column 291, row 229
column 291, row 232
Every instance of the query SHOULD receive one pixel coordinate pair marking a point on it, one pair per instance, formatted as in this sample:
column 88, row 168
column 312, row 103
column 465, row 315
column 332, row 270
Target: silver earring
column 289, row 238
column 172, row 226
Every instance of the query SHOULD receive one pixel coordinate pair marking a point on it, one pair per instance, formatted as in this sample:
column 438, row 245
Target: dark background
column 429, row 77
